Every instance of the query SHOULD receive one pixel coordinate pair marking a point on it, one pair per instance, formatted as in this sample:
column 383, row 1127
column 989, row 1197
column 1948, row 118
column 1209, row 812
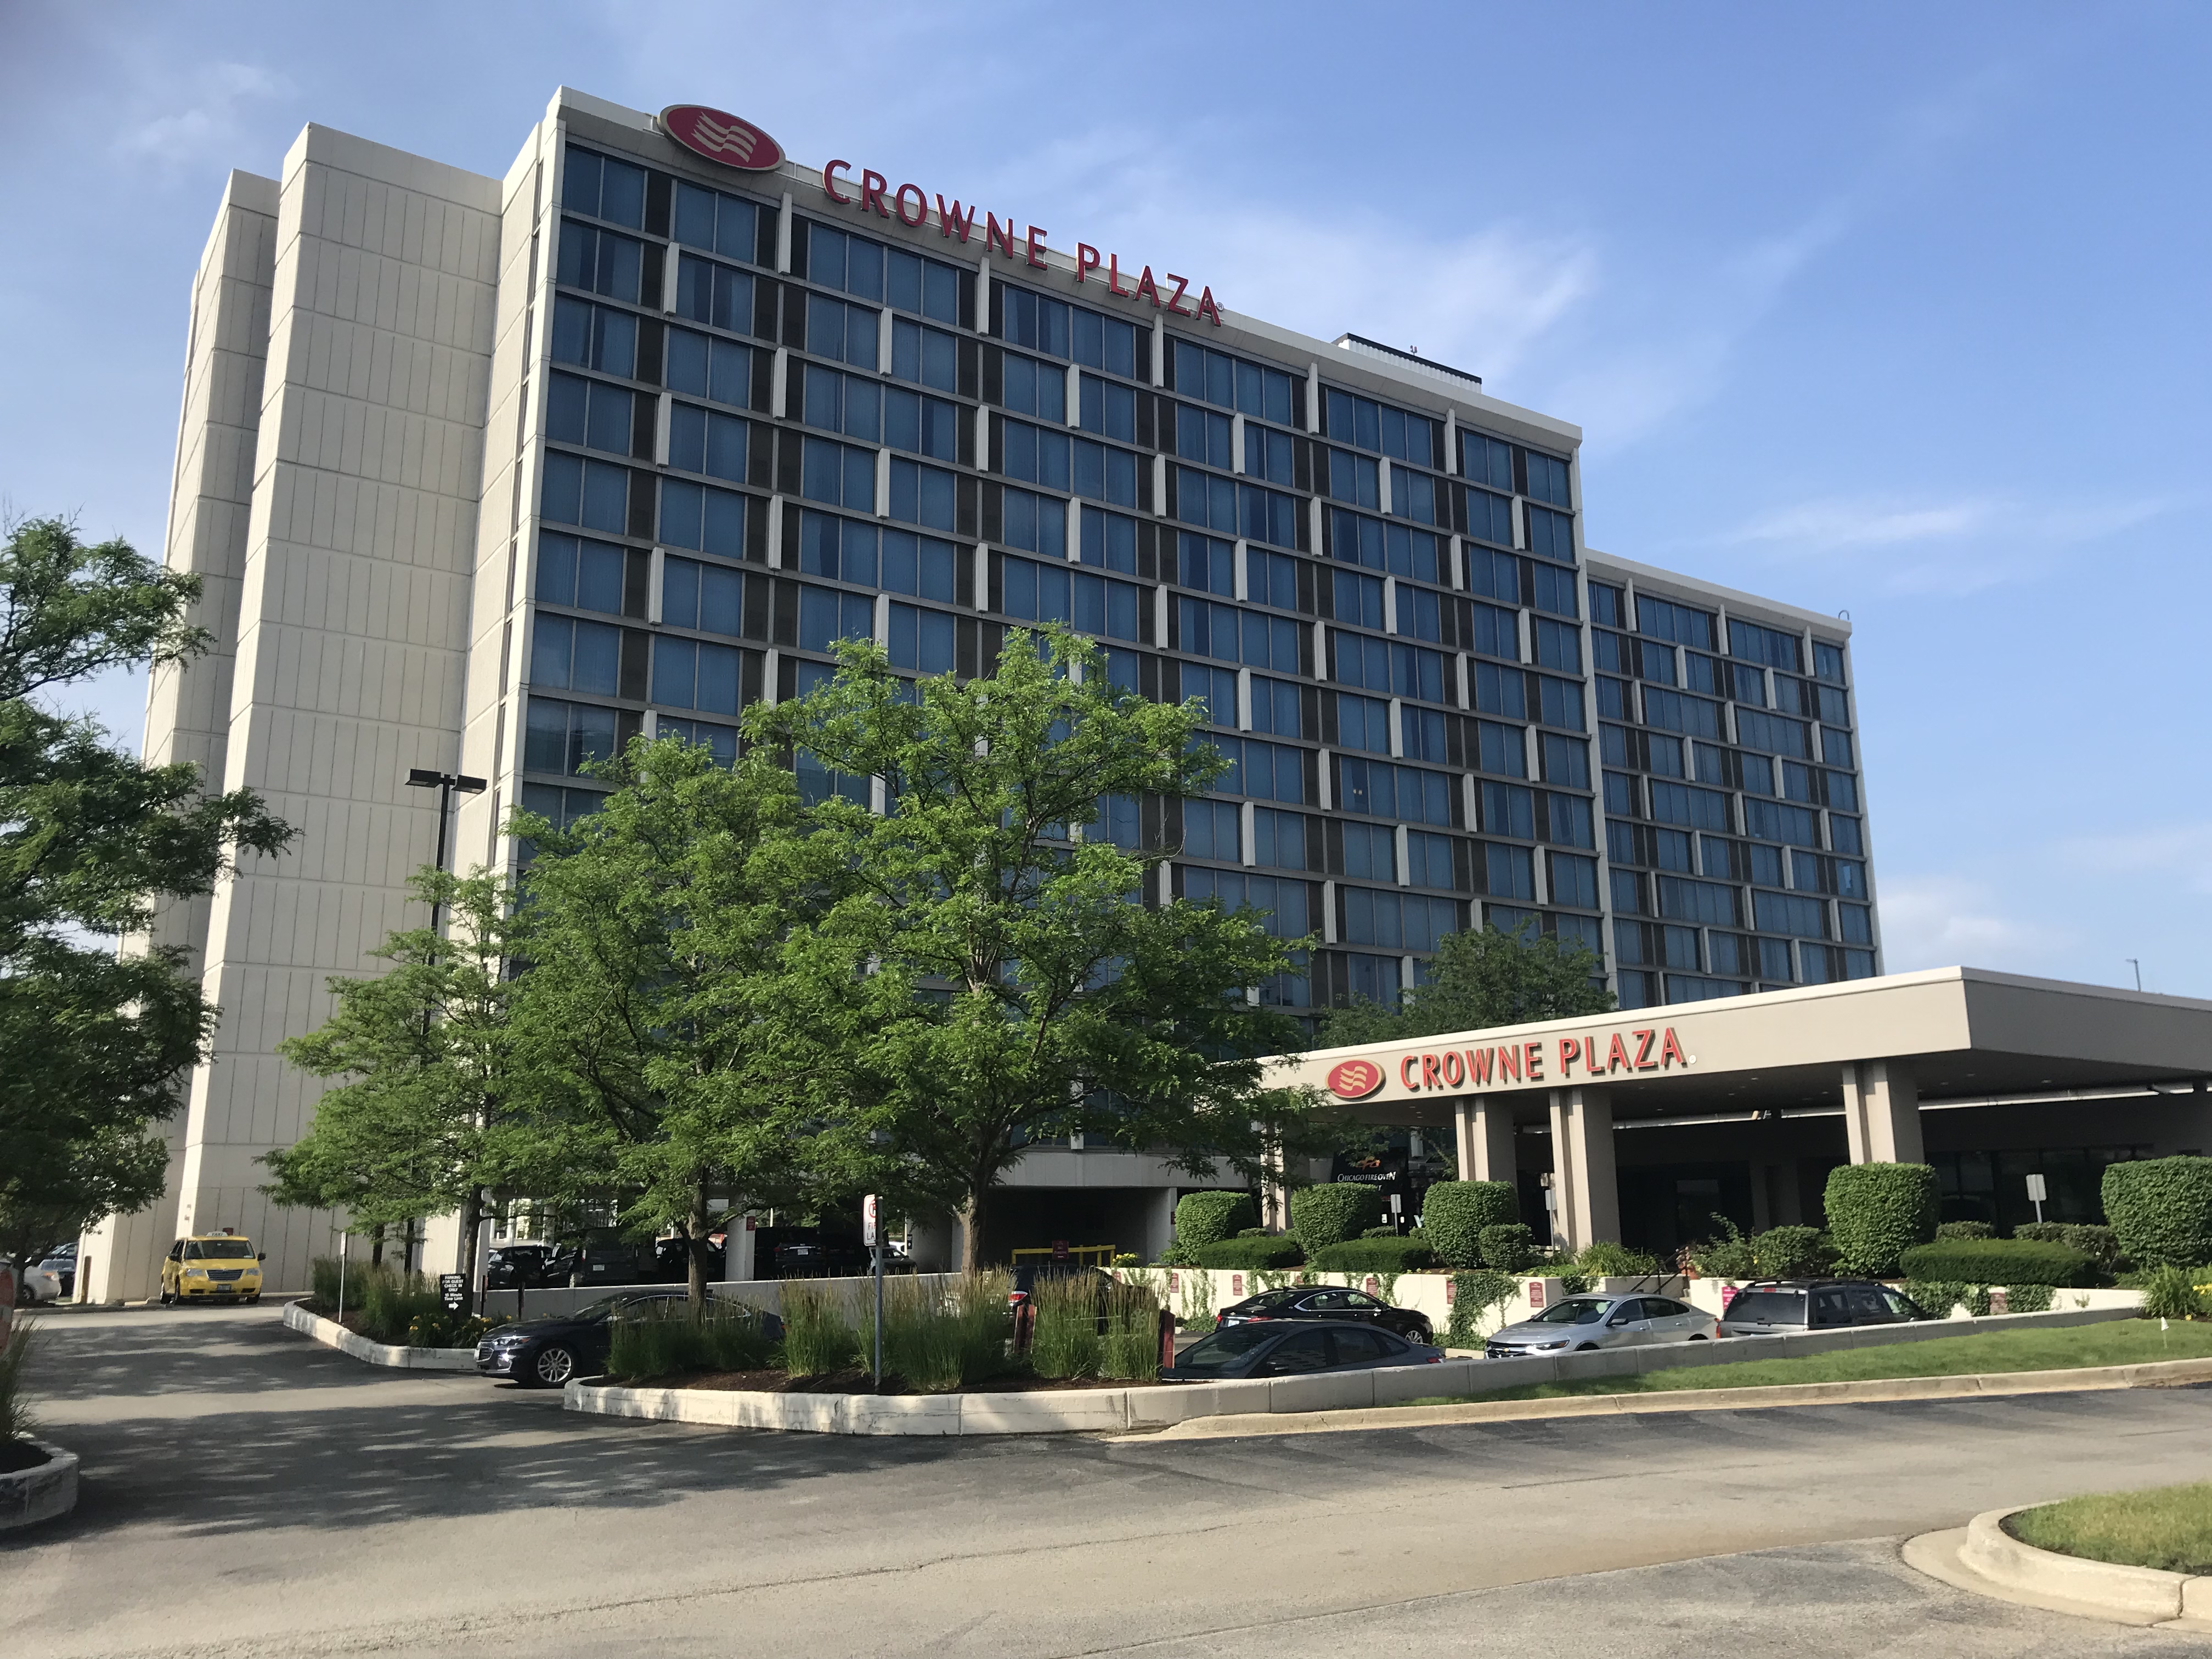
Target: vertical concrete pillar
column 1483, row 1137
column 1583, row 1167
column 1882, row 1113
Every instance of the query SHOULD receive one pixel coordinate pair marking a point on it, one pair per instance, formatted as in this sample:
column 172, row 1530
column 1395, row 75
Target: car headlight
column 196, row 1272
column 1546, row 1347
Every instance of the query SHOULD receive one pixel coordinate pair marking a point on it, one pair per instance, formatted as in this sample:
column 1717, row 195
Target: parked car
column 62, row 1263
column 1785, row 1307
column 1234, row 1353
column 37, row 1283
column 1576, row 1324
column 821, row 1258
column 525, row 1267
column 211, row 1267
column 1327, row 1301
column 548, row 1352
column 672, row 1259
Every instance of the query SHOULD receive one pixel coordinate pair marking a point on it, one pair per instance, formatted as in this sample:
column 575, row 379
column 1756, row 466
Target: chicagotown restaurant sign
column 736, row 143
column 1639, row 1052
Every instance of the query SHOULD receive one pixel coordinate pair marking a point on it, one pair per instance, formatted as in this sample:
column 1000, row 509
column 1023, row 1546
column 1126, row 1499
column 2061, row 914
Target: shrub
column 15, row 1420
column 1456, row 1214
column 1603, row 1259
column 2027, row 1299
column 2160, row 1209
column 1131, row 1346
column 442, row 1329
column 1065, row 1340
column 1474, row 1295
column 1876, row 1211
column 1792, row 1252
column 1996, row 1261
column 1248, row 1253
column 1209, row 1217
column 2168, row 1293
column 921, row 1335
column 2100, row 1244
column 322, row 1282
column 1728, row 1256
column 1386, row 1230
column 1936, row 1297
column 1508, row 1247
column 661, row 1339
column 391, row 1302
column 1331, row 1214
column 819, row 1336
column 1965, row 1229
column 1572, row 1281
column 1373, row 1256
column 1254, row 1232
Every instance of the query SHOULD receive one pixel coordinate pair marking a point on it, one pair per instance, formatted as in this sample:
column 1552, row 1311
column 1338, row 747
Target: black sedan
column 1329, row 1302
column 1236, row 1353
column 548, row 1352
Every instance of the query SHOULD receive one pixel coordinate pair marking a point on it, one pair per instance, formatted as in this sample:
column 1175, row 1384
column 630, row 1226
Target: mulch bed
column 860, row 1382
column 16, row 1455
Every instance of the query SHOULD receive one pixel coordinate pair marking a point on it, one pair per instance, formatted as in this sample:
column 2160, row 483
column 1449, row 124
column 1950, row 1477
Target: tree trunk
column 376, row 1245
column 471, row 1222
column 696, row 1227
column 971, row 1230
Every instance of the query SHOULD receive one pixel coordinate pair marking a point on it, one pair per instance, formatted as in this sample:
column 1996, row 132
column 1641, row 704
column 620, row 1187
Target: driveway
column 249, row 1493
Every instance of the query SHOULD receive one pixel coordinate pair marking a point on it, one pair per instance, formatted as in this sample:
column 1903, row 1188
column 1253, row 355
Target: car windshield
column 1578, row 1310
column 1271, row 1299
column 219, row 1249
column 1768, row 1307
column 1223, row 1348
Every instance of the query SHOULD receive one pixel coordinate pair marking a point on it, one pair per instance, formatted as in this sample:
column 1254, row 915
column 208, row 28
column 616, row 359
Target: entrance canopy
column 1963, row 1035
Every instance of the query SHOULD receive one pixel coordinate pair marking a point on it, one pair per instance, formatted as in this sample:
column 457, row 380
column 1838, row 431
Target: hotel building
column 486, row 475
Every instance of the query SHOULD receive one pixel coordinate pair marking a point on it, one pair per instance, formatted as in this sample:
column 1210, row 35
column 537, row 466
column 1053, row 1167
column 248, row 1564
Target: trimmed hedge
column 1965, row 1229
column 2100, row 1244
column 1791, row 1252
column 1877, row 1212
column 1248, row 1253
column 1209, row 1217
column 1996, row 1261
column 1456, row 1214
column 1331, row 1214
column 1509, row 1248
column 1603, row 1259
column 1373, row 1256
column 2161, row 1209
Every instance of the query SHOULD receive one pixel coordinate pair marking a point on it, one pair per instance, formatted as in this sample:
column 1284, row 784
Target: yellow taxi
column 211, row 1267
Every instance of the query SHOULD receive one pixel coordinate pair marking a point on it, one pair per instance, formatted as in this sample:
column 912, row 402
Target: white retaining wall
column 1159, row 1406
column 331, row 1334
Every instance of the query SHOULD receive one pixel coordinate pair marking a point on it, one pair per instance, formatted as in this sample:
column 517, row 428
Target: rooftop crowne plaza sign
column 1639, row 1052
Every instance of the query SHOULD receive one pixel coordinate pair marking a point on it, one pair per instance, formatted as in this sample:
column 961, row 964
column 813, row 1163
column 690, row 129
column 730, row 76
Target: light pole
column 2137, row 966
column 447, row 784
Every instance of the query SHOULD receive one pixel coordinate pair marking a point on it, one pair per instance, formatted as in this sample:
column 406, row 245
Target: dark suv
column 1790, row 1307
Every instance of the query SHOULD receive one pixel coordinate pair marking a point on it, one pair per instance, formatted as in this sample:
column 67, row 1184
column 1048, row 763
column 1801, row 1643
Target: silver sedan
column 1576, row 1324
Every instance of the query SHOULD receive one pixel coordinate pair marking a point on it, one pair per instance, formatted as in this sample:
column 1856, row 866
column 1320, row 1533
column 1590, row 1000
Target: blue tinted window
column 603, row 187
column 1752, row 643
column 1490, row 517
column 1363, row 723
column 1487, row 460
column 706, row 596
column 925, row 356
column 923, row 641
column 1034, row 321
column 1551, row 535
column 1107, row 342
column 714, row 295
column 922, row 494
column 708, row 220
column 1279, row 838
column 593, row 493
column 920, row 565
column 1109, row 540
column 1574, row 880
column 1228, row 634
column 704, row 440
column 1547, row 479
column 566, row 736
column 693, row 674
column 586, row 574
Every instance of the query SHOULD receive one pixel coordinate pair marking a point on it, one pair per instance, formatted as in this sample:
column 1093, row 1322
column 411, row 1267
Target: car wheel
column 1698, row 1336
column 1586, row 1347
column 552, row 1367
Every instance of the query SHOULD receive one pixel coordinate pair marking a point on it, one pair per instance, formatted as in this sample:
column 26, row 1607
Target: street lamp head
column 420, row 778
column 469, row 786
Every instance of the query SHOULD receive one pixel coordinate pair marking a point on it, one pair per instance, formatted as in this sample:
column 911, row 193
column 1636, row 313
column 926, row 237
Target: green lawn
column 2168, row 1527
column 2118, row 1342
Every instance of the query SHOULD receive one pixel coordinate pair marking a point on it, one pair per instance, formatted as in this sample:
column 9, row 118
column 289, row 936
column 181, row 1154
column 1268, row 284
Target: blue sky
column 1892, row 309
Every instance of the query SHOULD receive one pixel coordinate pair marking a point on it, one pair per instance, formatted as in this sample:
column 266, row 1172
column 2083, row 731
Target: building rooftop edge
column 1735, row 597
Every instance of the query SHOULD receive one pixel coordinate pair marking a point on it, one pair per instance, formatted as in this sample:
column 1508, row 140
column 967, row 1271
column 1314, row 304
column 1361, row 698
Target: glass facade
column 1439, row 712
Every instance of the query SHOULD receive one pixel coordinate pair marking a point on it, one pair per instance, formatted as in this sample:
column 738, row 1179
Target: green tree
column 1477, row 980
column 681, row 1018
column 1027, row 976
column 426, row 1049
column 93, row 1041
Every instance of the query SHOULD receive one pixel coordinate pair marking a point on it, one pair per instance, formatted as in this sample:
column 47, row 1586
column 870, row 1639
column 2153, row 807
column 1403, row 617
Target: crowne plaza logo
column 721, row 137
column 1354, row 1079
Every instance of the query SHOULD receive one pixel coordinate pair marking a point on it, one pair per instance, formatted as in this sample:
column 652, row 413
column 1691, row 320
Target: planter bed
column 331, row 1334
column 42, row 1488
column 863, row 1383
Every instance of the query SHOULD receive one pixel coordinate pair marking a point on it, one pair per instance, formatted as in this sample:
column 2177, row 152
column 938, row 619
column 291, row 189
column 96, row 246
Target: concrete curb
column 331, row 1334
column 1998, row 1383
column 44, row 1494
column 1985, row 1558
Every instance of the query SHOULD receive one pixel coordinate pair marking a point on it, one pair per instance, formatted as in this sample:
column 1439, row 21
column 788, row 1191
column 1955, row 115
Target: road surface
column 246, row 1492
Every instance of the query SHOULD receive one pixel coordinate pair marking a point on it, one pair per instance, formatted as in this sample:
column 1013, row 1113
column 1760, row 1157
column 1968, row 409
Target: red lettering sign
column 949, row 219
column 920, row 205
column 1454, row 1069
column 1616, row 1059
column 1570, row 1050
column 1509, row 1065
column 1406, row 1072
column 993, row 237
column 1670, row 1051
column 1432, row 1078
column 1354, row 1079
column 721, row 137
column 1086, row 261
column 1535, row 1062
column 872, row 186
column 1478, row 1064
column 830, row 183
column 1643, row 1041
column 1036, row 240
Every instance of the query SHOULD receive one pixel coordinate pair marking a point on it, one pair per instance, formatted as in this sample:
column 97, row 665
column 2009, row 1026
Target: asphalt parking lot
column 249, row 1493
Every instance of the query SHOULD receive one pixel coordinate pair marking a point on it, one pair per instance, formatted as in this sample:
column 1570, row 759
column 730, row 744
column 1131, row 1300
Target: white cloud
column 1946, row 922
column 210, row 124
